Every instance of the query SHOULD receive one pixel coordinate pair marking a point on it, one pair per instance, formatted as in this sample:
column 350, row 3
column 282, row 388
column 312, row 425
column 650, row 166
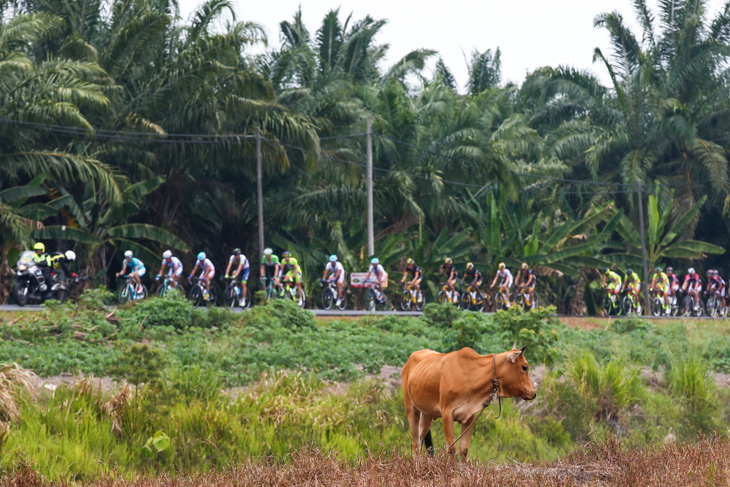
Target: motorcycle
column 31, row 285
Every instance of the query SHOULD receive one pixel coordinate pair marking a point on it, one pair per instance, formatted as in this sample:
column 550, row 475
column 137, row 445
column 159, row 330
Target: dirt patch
column 47, row 385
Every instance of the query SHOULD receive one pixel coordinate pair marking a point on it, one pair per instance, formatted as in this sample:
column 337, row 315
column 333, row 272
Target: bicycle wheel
column 626, row 305
column 698, row 310
column 123, row 294
column 455, row 298
column 657, row 307
column 607, row 305
column 143, row 294
column 419, row 304
column 196, row 295
column 712, row 306
column 405, row 301
column 343, row 302
column 441, row 297
column 327, row 299
column 465, row 301
column 301, row 301
column 370, row 300
column 687, row 305
column 230, row 297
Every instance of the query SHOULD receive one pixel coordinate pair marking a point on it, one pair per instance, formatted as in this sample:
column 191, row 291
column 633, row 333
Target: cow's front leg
column 464, row 444
column 414, row 422
column 448, row 418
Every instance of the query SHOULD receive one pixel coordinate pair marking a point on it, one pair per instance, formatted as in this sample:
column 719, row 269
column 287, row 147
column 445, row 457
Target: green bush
column 172, row 310
column 440, row 314
column 466, row 331
column 539, row 329
column 96, row 298
column 689, row 380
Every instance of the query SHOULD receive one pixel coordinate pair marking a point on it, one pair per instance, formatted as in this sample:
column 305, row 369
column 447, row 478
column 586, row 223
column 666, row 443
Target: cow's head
column 514, row 376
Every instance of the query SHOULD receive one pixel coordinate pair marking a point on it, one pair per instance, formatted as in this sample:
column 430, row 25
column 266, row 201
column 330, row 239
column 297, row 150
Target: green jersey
column 274, row 261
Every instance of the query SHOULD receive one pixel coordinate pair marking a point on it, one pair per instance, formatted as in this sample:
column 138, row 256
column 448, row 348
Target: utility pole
column 647, row 307
column 371, row 237
column 260, row 191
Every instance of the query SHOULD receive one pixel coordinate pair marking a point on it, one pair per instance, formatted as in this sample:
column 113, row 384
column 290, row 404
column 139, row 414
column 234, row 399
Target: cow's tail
column 429, row 443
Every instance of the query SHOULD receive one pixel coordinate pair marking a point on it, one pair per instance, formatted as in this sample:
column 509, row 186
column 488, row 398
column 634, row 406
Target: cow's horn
column 514, row 345
column 523, row 348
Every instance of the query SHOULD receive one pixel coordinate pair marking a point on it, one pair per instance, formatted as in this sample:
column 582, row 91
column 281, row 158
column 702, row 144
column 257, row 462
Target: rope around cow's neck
column 495, row 392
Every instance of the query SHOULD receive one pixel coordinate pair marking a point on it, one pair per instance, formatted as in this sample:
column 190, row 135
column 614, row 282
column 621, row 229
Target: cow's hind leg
column 425, row 430
column 414, row 422
column 464, row 445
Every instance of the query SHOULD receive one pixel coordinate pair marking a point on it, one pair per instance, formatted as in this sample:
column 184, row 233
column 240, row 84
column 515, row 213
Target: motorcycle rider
column 60, row 261
column 43, row 261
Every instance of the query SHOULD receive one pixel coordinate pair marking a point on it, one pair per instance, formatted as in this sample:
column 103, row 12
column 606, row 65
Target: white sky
column 530, row 33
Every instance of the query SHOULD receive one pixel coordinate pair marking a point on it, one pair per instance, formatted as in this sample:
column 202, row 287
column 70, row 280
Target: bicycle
column 446, row 296
column 658, row 304
column 610, row 304
column 197, row 293
column 500, row 300
column 269, row 286
column 473, row 299
column 376, row 299
column 131, row 291
column 231, row 298
column 291, row 292
column 412, row 298
column 165, row 286
column 690, row 307
column 521, row 300
column 329, row 295
column 714, row 306
column 630, row 304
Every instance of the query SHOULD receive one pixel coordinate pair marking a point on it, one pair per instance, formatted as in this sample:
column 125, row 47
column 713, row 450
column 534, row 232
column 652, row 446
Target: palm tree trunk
column 577, row 305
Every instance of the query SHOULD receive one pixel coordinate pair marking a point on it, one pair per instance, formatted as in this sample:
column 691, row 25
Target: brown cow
column 454, row 386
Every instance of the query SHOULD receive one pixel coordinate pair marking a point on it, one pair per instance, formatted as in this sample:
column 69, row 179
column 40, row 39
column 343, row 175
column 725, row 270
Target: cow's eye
column 524, row 367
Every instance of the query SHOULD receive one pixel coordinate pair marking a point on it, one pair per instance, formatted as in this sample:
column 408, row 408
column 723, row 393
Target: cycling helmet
column 286, row 253
column 501, row 266
column 448, row 261
column 629, row 272
column 469, row 266
column 670, row 270
column 709, row 272
column 268, row 251
column 691, row 271
column 333, row 258
column 524, row 266
column 70, row 255
column 201, row 256
column 167, row 254
column 236, row 251
column 39, row 246
column 604, row 271
column 375, row 261
column 715, row 272
column 658, row 269
column 410, row 261
column 128, row 254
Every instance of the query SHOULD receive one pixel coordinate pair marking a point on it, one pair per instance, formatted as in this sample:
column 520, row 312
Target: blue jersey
column 135, row 264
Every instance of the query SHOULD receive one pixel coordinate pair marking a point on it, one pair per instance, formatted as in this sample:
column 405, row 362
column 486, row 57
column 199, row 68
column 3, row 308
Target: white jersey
column 175, row 265
column 206, row 266
column 333, row 267
column 243, row 258
column 505, row 277
column 378, row 271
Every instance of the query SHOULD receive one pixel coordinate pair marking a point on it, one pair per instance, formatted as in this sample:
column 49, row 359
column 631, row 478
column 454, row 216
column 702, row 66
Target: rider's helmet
column 715, row 272
column 128, row 254
column 658, row 270
column 604, row 271
column 691, row 271
column 524, row 266
column 167, row 254
column 333, row 258
column 469, row 266
column 709, row 272
column 70, row 255
column 39, row 246
column 286, row 253
column 501, row 266
column 268, row 251
column 236, row 251
column 375, row 261
column 629, row 272
column 410, row 261
column 448, row 261
column 670, row 270
column 201, row 256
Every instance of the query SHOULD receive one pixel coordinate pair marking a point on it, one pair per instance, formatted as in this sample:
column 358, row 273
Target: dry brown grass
column 12, row 378
column 705, row 463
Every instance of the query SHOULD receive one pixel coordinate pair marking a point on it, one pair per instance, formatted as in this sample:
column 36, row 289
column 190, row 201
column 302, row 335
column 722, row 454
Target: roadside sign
column 357, row 280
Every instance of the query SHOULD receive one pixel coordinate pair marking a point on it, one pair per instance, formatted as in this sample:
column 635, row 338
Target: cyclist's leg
column 208, row 278
column 529, row 292
column 244, row 280
column 340, row 286
column 298, row 282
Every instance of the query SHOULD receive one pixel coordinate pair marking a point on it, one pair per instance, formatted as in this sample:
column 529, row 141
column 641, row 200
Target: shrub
column 689, row 379
column 96, row 298
column 466, row 331
column 441, row 315
column 172, row 310
column 539, row 329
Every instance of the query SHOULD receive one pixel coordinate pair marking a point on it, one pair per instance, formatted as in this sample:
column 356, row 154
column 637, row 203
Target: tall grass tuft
column 689, row 380
column 12, row 379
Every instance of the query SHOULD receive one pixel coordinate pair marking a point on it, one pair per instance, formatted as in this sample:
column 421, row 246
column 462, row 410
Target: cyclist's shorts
column 244, row 274
column 675, row 287
column 295, row 278
column 141, row 271
column 478, row 283
column 505, row 283
column 635, row 287
column 208, row 274
column 721, row 291
column 341, row 278
column 613, row 286
column 176, row 273
column 529, row 290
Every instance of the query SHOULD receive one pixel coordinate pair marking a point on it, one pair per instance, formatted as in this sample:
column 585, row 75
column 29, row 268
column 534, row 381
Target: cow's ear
column 513, row 356
column 514, row 346
column 523, row 348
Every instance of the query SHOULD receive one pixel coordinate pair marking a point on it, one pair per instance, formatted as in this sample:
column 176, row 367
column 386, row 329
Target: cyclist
column 243, row 268
column 175, row 268
column 660, row 283
column 270, row 267
column 693, row 285
column 716, row 284
column 207, row 271
column 505, row 280
column 136, row 268
column 291, row 272
column 473, row 274
column 60, row 261
column 377, row 271
column 614, row 283
column 338, row 275
column 449, row 270
column 673, row 284
column 43, row 261
column 632, row 283
column 412, row 268
column 526, row 281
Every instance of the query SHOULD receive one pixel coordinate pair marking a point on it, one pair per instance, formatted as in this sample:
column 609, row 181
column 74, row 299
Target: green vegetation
column 207, row 388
